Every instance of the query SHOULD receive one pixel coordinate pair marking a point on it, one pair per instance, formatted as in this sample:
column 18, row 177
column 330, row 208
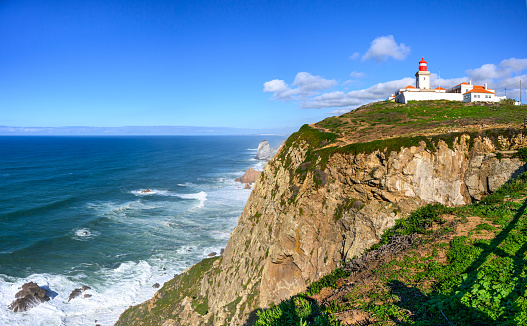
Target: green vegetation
column 183, row 285
column 299, row 310
column 387, row 119
column 521, row 154
column 456, row 274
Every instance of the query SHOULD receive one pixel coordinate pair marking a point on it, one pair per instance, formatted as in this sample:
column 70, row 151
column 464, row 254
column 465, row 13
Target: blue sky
column 240, row 64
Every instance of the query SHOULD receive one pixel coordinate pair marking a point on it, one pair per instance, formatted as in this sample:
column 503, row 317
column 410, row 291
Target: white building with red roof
column 464, row 92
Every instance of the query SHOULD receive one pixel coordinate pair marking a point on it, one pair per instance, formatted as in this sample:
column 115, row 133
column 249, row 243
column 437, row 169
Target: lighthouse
column 422, row 77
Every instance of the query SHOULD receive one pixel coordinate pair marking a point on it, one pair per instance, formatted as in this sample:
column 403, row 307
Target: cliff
column 330, row 193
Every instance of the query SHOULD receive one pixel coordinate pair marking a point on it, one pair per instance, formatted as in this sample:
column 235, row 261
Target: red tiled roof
column 479, row 89
column 409, row 86
column 441, row 88
column 463, row 83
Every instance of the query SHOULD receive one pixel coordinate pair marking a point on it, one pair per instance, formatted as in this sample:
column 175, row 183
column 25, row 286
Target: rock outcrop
column 264, row 152
column 249, row 177
column 31, row 295
column 315, row 206
column 77, row 292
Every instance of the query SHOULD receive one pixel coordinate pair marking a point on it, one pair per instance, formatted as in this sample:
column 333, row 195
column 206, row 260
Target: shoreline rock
column 30, row 296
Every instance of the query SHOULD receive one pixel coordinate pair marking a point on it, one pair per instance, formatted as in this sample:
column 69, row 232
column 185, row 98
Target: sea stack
column 264, row 152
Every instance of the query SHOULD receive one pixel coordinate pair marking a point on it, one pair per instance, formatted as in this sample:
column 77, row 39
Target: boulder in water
column 31, row 295
column 77, row 292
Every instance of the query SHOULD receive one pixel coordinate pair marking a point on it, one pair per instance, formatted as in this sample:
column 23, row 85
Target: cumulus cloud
column 446, row 82
column 492, row 74
column 303, row 86
column 384, row 47
column 376, row 92
column 514, row 65
column 355, row 56
column 356, row 74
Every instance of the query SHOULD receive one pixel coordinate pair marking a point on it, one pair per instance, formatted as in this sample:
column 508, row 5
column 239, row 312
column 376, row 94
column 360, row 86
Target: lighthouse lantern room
column 422, row 77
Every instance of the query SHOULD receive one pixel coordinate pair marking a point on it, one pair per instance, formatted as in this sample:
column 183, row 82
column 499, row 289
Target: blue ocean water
column 74, row 211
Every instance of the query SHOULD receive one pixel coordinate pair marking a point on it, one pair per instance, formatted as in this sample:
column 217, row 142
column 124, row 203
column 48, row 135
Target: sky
column 260, row 65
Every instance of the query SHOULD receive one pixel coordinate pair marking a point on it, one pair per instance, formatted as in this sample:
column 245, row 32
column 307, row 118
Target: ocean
column 74, row 212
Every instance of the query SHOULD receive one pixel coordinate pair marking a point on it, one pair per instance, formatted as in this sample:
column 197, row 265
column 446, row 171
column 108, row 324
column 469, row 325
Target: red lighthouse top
column 422, row 65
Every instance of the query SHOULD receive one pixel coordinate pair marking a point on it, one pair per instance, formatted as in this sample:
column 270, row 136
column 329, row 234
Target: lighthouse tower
column 422, row 77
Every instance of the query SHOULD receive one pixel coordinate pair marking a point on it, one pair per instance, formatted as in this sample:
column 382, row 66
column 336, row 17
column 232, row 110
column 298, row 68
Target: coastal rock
column 77, row 292
column 249, row 177
column 31, row 295
column 247, row 186
column 212, row 254
column 156, row 286
column 264, row 152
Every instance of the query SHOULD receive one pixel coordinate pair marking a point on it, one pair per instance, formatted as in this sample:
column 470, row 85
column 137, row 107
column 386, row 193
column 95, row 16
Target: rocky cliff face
column 315, row 206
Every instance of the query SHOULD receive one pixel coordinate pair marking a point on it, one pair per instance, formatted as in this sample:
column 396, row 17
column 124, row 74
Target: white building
column 464, row 92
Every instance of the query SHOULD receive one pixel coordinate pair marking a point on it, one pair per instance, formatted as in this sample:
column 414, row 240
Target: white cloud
column 489, row 73
column 355, row 56
column 305, row 85
column 376, row 92
column 356, row 74
column 485, row 72
column 446, row 82
column 515, row 65
column 280, row 89
column 384, row 47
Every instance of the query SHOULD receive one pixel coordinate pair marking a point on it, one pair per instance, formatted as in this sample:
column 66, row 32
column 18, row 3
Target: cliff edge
column 330, row 192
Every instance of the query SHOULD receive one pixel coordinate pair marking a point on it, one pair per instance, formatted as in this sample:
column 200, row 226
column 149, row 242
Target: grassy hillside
column 464, row 266
column 389, row 119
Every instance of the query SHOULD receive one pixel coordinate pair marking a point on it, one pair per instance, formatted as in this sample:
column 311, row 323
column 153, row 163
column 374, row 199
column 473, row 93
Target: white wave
column 201, row 196
column 112, row 209
column 151, row 192
column 112, row 291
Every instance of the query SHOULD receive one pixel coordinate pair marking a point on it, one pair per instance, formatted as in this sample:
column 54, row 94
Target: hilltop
column 381, row 120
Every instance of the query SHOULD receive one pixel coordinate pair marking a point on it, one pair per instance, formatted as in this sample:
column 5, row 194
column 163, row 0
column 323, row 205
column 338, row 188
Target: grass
column 446, row 279
column 387, row 119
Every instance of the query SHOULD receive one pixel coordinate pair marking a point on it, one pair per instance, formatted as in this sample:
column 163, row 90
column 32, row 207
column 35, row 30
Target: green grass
column 392, row 118
column 297, row 311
